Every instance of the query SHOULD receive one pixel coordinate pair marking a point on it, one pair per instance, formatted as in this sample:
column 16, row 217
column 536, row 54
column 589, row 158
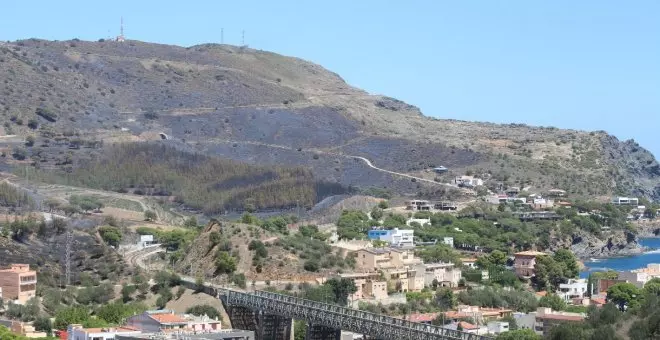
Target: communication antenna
column 121, row 38
column 222, row 36
column 243, row 39
column 67, row 256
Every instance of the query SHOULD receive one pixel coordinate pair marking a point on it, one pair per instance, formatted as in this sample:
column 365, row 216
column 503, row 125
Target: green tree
column 341, row 289
column 383, row 205
column 652, row 287
column 445, row 299
column 43, row 324
column 568, row 261
column 150, row 216
column 190, row 222
column 376, row 213
column 224, row 263
column 115, row 313
column 207, row 310
column 439, row 253
column 495, row 259
column 111, row 235
column 609, row 314
column 127, row 291
column 569, row 330
column 70, row 315
column 624, row 295
column 520, row 334
column 299, row 330
column 553, row 301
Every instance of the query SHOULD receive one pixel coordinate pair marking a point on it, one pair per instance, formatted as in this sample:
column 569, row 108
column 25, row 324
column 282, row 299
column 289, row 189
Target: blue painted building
column 378, row 234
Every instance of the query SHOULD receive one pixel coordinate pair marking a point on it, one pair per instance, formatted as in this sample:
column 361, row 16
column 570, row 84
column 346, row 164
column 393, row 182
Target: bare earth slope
column 265, row 108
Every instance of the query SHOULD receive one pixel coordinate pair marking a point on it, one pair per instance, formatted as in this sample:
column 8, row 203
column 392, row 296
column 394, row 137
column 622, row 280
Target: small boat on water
column 594, row 260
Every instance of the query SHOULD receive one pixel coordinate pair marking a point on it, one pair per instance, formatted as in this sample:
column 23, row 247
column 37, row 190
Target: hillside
column 264, row 252
column 77, row 97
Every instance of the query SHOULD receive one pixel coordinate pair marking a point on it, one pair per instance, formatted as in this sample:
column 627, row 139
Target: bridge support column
column 318, row 332
column 274, row 327
column 242, row 318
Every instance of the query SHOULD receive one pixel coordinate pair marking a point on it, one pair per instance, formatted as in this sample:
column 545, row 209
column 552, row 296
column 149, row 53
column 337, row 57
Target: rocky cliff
column 586, row 245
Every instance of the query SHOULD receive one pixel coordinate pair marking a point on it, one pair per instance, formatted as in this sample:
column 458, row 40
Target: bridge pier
column 318, row 332
column 274, row 327
column 242, row 318
column 265, row 326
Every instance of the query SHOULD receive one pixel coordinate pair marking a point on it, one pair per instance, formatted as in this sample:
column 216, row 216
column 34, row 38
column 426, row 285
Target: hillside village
column 140, row 182
column 397, row 268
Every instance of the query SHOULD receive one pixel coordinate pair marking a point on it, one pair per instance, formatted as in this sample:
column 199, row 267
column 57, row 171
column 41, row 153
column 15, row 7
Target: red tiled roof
column 598, row 301
column 109, row 330
column 167, row 318
column 542, row 293
column 467, row 326
column 422, row 317
column 560, row 317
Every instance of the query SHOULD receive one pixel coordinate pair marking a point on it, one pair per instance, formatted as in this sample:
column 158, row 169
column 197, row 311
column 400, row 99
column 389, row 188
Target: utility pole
column 243, row 39
column 222, row 36
column 67, row 256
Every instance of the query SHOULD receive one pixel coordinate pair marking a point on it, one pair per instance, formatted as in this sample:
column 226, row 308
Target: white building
column 421, row 221
column 499, row 199
column 468, row 181
column 145, row 240
column 625, row 201
column 575, row 288
column 497, row 327
column 77, row 332
column 399, row 238
column 639, row 277
column 525, row 320
column 448, row 241
column 446, row 274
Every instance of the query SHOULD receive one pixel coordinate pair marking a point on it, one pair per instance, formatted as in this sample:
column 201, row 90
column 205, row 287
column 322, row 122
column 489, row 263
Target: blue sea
column 652, row 255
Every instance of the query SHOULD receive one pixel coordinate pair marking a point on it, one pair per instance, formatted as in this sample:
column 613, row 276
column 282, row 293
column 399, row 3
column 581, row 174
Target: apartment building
column 546, row 319
column 446, row 274
column 405, row 279
column 18, row 283
column 375, row 259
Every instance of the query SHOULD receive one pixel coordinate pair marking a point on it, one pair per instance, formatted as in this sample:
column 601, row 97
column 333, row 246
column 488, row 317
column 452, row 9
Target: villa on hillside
column 524, row 263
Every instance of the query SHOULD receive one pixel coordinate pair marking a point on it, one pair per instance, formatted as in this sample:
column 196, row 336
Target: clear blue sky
column 588, row 64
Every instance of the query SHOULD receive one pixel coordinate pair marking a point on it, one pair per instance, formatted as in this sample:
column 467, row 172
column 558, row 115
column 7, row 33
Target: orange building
column 18, row 283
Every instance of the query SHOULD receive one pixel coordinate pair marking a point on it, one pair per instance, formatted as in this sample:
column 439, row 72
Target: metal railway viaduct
column 270, row 316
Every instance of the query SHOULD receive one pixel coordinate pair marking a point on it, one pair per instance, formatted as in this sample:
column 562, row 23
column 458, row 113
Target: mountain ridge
column 214, row 97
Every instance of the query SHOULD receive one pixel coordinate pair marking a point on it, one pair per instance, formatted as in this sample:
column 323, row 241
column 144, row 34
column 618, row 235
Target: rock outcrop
column 617, row 243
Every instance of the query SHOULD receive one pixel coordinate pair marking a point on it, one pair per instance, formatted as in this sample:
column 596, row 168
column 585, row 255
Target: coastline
column 651, row 254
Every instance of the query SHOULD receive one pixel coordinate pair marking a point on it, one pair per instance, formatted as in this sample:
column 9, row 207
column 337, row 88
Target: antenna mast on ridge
column 121, row 38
